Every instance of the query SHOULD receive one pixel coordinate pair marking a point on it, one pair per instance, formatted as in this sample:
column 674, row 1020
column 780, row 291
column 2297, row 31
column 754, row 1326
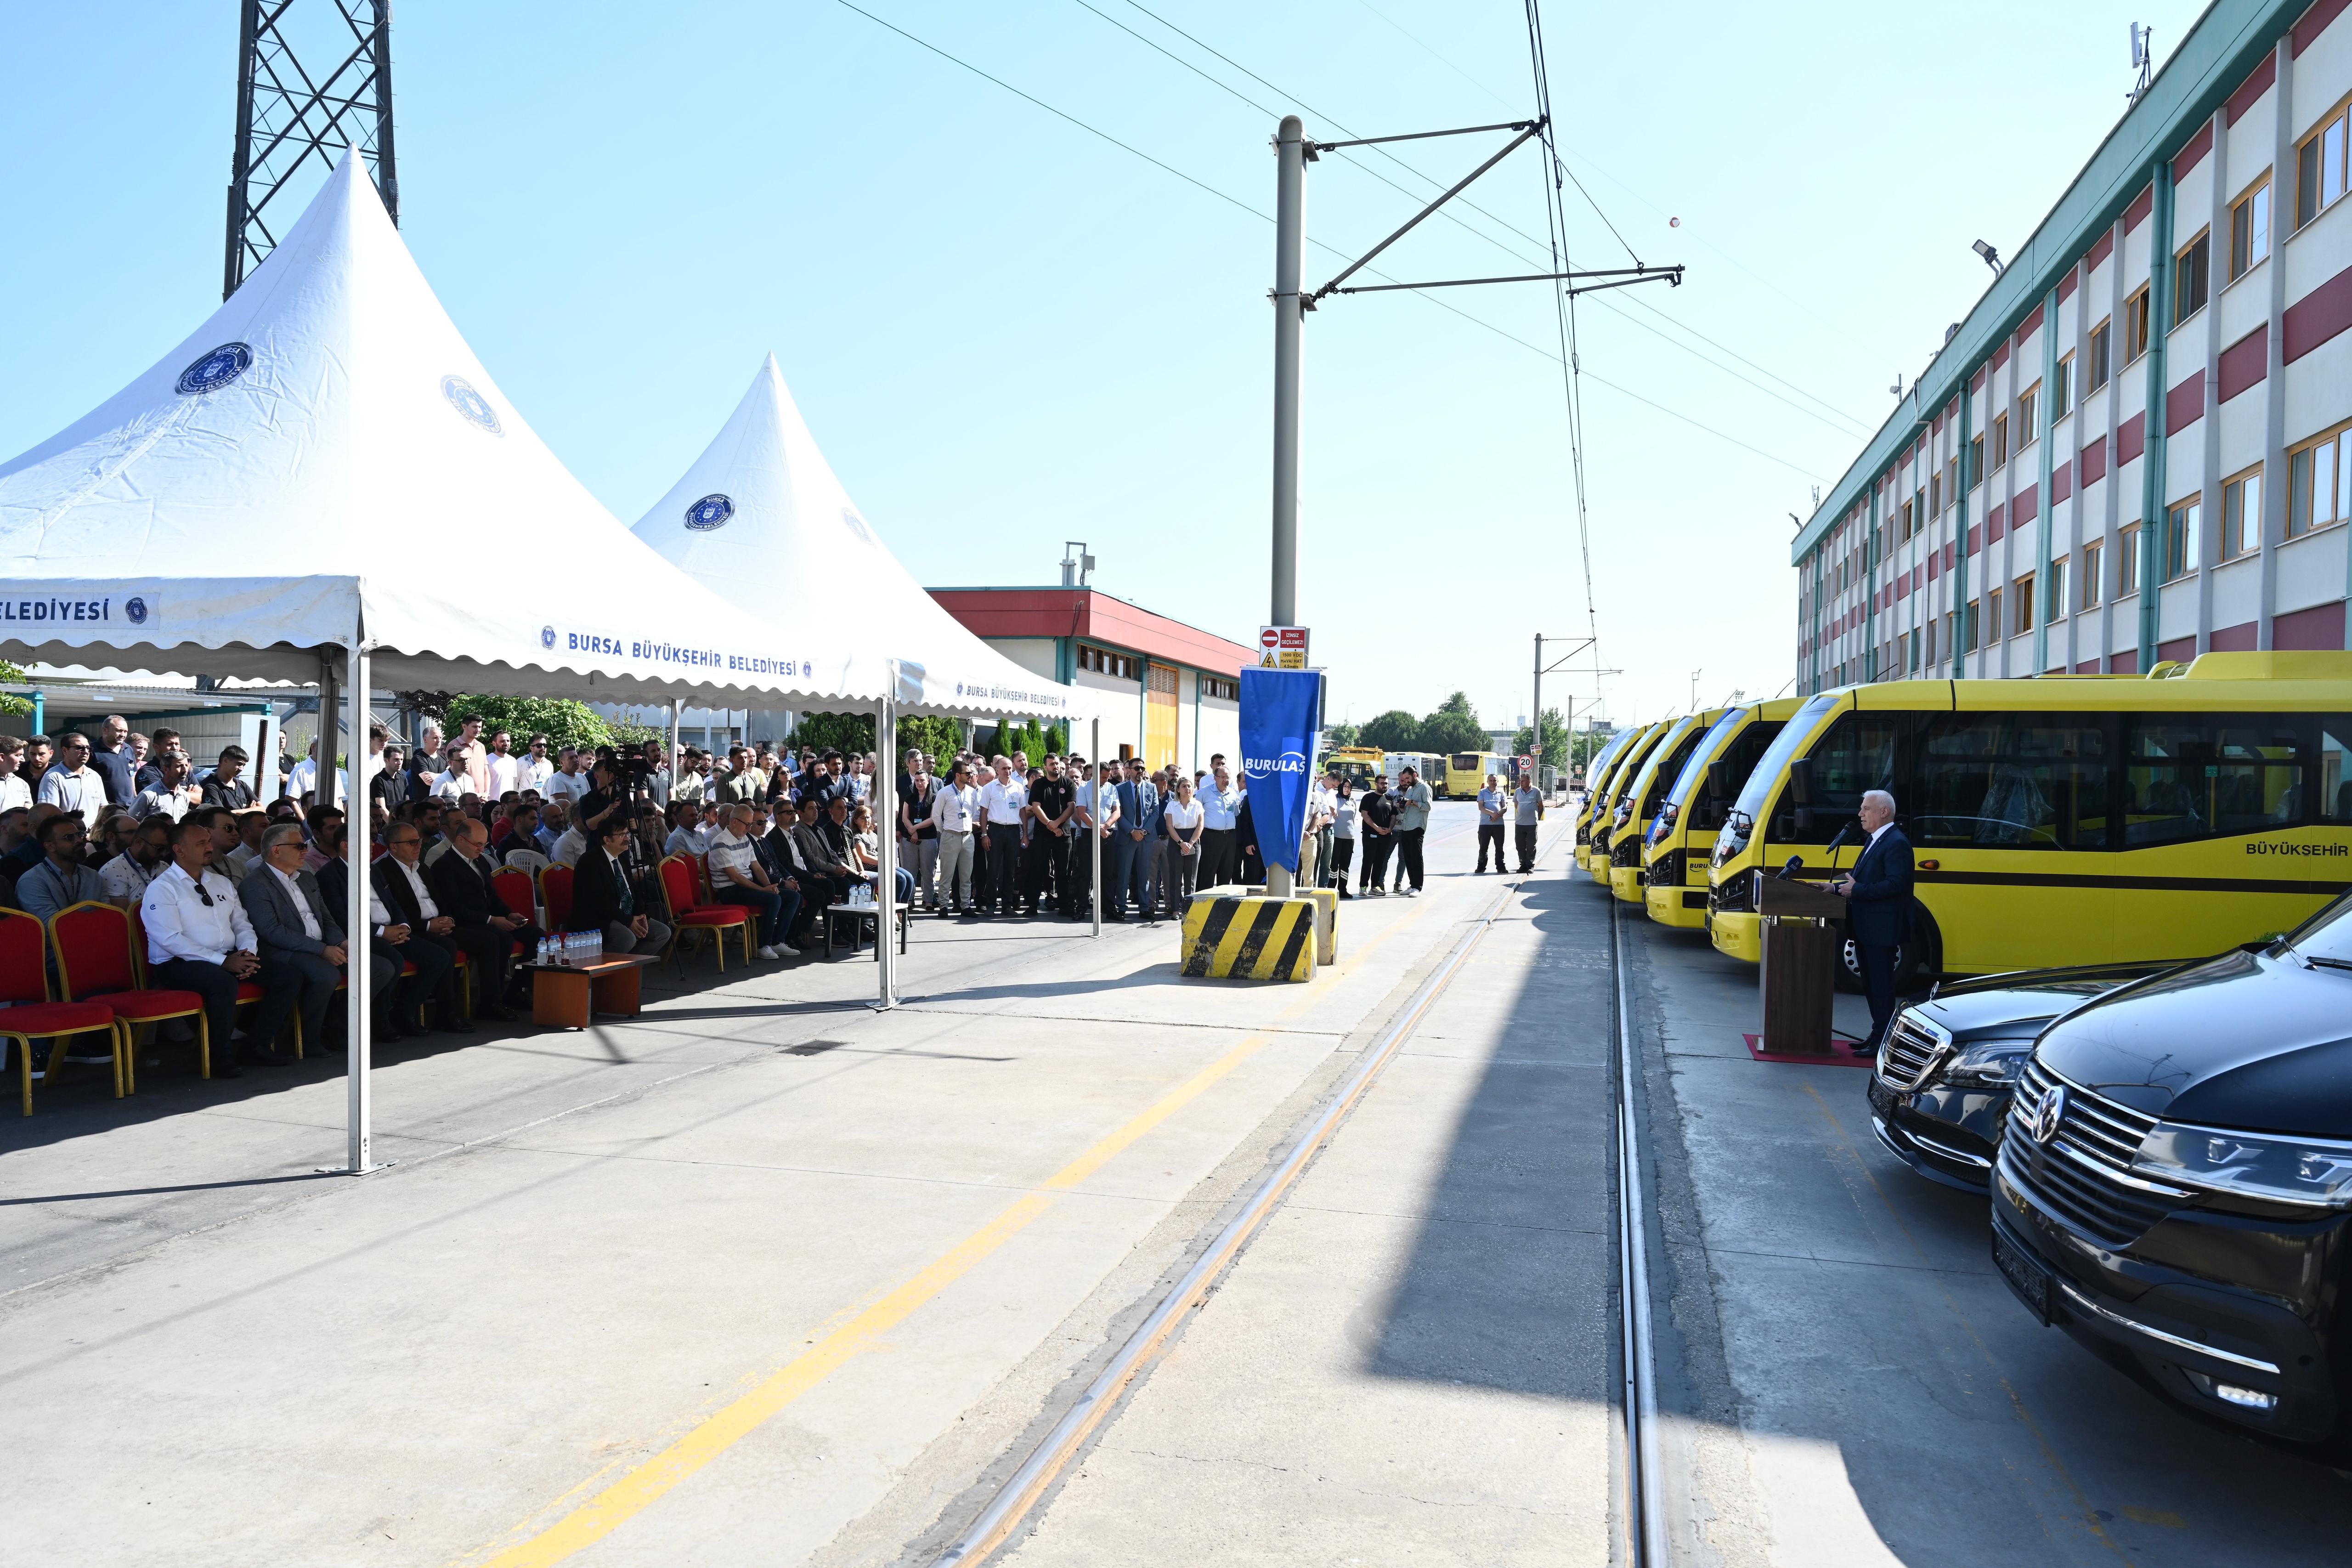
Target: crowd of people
column 232, row 889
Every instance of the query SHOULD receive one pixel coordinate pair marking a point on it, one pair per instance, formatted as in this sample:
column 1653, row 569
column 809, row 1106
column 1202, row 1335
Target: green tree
column 1394, row 730
column 1555, row 730
column 16, row 707
column 851, row 734
column 563, row 721
column 1455, row 727
column 1339, row 736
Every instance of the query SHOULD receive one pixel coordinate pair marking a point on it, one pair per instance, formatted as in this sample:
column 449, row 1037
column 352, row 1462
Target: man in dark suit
column 1878, row 908
column 603, row 899
column 487, row 930
column 302, row 942
column 414, row 929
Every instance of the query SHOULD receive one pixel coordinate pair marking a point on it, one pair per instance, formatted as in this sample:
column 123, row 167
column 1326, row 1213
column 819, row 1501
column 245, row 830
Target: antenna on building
column 2143, row 59
column 1075, row 563
column 1817, row 498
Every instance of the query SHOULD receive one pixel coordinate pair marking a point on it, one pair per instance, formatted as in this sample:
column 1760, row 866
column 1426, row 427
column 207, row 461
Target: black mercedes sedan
column 2174, row 1187
column 1941, row 1085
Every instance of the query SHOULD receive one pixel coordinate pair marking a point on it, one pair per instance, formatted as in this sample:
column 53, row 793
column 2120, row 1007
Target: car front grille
column 2083, row 1175
column 1914, row 1049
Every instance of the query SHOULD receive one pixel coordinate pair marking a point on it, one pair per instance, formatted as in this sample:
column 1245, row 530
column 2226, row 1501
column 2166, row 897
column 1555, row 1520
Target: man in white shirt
column 503, row 768
column 736, row 877
column 1528, row 809
column 1220, row 805
column 535, row 767
column 199, row 939
column 570, row 845
column 15, row 793
column 1002, row 801
column 955, row 806
column 302, row 778
column 126, row 876
column 73, row 784
column 567, row 783
column 1490, row 824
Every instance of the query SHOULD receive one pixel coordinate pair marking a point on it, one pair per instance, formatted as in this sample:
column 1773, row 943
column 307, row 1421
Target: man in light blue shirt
column 1220, row 805
column 1490, row 824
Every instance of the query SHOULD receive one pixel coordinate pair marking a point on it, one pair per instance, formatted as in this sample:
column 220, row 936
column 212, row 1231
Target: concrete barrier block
column 1236, row 936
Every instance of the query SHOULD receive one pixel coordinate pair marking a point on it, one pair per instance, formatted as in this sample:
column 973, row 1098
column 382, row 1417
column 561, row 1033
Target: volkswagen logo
column 2049, row 1113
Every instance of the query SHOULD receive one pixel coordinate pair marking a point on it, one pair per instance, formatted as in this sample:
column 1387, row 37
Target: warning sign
column 1282, row 648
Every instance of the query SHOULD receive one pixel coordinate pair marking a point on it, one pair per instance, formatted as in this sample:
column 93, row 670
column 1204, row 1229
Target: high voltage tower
column 288, row 111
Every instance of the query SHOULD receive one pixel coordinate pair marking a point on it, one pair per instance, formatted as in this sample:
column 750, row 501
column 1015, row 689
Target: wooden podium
column 1802, row 939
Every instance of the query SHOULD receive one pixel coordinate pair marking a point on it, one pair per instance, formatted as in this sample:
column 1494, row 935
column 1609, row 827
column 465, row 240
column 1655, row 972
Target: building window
column 2062, row 391
column 2022, row 600
column 2242, row 515
column 1221, row 687
column 2135, row 324
column 2053, row 598
column 1911, row 640
column 1976, row 462
column 2318, row 484
column 2191, row 267
column 2128, row 560
column 2319, row 169
column 1103, row 661
column 2099, row 339
column 2000, row 440
column 2250, row 229
column 1969, row 629
column 2180, row 539
column 1934, row 494
column 2026, row 401
column 2091, row 575
column 1904, row 528
column 1994, row 627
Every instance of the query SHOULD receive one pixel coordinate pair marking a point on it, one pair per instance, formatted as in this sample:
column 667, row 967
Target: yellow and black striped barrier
column 1237, row 937
column 1326, row 917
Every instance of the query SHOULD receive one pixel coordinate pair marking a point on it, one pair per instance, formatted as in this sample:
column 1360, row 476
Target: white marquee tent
column 322, row 482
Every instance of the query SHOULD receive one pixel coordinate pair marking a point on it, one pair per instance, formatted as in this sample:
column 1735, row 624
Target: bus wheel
column 1922, row 956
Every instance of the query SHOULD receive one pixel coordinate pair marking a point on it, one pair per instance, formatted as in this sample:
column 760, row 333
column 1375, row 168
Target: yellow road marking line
column 640, row 1487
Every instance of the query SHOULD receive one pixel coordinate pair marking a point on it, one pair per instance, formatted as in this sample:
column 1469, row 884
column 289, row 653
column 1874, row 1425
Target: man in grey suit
column 302, row 942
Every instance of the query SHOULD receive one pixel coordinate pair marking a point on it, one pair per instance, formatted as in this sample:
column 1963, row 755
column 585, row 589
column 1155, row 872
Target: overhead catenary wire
column 1267, row 218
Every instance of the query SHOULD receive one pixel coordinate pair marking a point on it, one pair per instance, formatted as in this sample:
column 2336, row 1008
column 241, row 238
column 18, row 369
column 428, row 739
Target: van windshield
column 1756, row 793
column 1709, row 743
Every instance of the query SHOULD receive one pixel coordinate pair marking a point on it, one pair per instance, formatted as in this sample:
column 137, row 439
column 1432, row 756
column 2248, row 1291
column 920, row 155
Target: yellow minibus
column 1639, row 804
column 1605, row 826
column 1681, row 836
column 2066, row 820
column 1596, row 797
column 1465, row 773
column 1596, row 778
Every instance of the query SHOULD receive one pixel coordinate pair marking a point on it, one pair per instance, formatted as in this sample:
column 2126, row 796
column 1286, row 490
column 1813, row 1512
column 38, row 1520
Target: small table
column 563, row 995
column 862, row 917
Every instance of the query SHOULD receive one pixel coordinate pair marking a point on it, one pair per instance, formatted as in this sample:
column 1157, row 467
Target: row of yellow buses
column 2060, row 820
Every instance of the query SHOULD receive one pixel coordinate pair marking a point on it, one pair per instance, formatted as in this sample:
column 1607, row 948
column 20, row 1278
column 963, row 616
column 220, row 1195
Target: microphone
column 1790, row 869
column 1839, row 839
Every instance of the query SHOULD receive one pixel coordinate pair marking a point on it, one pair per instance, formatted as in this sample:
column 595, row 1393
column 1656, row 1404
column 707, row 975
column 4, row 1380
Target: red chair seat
column 54, row 1018
column 407, row 967
column 248, row 990
column 143, row 1006
column 714, row 915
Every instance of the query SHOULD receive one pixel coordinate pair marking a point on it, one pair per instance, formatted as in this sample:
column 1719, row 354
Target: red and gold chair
column 680, row 882
column 98, row 960
column 34, row 1014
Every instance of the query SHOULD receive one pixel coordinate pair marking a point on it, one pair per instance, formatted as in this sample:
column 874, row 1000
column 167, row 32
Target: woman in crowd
column 1181, row 821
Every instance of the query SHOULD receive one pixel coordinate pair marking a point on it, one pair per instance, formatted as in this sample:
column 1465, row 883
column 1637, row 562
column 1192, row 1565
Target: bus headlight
column 2312, row 1171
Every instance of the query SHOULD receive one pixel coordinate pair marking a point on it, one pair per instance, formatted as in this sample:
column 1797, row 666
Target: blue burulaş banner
column 1282, row 713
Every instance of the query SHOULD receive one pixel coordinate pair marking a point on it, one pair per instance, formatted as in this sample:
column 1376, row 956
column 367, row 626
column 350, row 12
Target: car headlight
column 1988, row 1064
column 2311, row 1171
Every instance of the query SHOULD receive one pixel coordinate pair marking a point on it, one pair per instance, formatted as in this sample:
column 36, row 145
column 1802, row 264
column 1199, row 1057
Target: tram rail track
column 1644, row 1537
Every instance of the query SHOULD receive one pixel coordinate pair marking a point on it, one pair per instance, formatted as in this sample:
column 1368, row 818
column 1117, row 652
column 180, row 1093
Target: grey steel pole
column 1094, row 828
column 323, row 781
column 1289, row 315
column 359, row 1098
column 1536, row 713
column 886, row 847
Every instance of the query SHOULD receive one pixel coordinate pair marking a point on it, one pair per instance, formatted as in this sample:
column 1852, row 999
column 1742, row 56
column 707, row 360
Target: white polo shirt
column 1001, row 804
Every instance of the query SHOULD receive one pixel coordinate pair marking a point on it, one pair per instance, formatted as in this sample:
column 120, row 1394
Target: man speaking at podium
column 1878, row 908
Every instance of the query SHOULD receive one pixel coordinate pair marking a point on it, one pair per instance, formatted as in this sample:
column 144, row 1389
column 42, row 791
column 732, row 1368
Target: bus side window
column 2335, row 778
column 2196, row 776
column 1861, row 751
column 2012, row 780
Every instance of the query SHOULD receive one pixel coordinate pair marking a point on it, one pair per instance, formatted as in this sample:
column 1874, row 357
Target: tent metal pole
column 677, row 733
column 1094, row 828
column 323, row 780
column 886, row 847
column 358, row 1093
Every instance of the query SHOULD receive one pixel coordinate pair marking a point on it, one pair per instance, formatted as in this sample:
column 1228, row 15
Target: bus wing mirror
column 1801, row 781
column 1718, row 780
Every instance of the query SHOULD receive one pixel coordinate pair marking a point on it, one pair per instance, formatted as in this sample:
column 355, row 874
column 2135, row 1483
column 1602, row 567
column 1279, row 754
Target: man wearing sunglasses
column 199, row 939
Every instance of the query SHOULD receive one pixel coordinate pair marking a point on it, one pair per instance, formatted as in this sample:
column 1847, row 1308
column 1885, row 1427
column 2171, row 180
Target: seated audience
column 223, row 787
column 736, row 877
column 171, row 793
column 604, row 900
column 251, row 823
column 485, row 929
column 199, row 939
column 61, row 878
column 400, row 883
column 300, row 941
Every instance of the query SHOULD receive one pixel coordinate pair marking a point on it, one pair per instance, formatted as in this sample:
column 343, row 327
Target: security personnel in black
column 1878, row 908
column 1051, row 796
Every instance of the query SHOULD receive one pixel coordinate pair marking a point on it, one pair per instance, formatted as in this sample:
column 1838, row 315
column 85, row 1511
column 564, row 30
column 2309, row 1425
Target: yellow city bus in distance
column 1596, row 775
column 1465, row 773
column 1596, row 796
column 1606, row 824
column 1638, row 805
column 2066, row 821
column 1358, row 764
column 1681, row 836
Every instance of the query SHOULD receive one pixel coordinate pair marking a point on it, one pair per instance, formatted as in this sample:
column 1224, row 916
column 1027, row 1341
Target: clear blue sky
column 1007, row 332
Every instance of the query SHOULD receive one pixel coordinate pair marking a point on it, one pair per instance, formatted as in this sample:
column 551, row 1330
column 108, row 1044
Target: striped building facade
column 2135, row 447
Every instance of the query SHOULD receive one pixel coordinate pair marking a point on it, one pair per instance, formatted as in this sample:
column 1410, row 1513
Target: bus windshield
column 1463, row 761
column 1695, row 769
column 1756, row 793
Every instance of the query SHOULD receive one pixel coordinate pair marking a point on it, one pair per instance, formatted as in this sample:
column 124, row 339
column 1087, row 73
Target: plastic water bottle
column 596, row 946
column 566, row 956
column 542, row 952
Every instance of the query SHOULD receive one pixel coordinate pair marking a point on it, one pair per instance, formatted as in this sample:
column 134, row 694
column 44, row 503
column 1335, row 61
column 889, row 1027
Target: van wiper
column 2310, row 963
